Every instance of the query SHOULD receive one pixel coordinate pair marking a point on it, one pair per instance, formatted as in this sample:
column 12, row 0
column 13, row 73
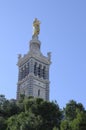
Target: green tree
column 12, row 123
column 34, row 114
column 38, row 114
column 55, row 128
column 2, row 99
column 49, row 111
column 51, row 115
column 24, row 121
column 2, row 123
column 65, row 125
column 70, row 111
column 9, row 108
column 79, row 123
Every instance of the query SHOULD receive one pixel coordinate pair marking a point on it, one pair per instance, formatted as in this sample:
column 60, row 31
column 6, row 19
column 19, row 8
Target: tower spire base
column 34, row 37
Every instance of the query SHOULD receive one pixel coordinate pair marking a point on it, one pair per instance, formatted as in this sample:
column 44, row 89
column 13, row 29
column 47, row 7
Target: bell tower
column 33, row 75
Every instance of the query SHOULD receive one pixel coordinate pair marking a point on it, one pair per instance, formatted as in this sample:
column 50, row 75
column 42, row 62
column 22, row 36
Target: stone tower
column 33, row 76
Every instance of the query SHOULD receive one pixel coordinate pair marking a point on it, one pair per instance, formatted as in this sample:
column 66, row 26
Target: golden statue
column 36, row 27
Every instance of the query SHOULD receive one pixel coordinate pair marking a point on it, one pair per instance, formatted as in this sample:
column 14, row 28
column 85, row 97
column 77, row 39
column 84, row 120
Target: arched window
column 27, row 68
column 21, row 73
column 24, row 70
column 44, row 74
column 38, row 92
column 35, row 69
column 39, row 71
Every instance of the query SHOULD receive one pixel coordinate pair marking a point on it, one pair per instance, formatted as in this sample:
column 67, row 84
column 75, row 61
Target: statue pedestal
column 34, row 37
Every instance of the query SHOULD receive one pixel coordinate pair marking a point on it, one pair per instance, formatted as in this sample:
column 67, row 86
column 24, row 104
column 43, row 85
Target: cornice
column 40, row 58
column 34, row 77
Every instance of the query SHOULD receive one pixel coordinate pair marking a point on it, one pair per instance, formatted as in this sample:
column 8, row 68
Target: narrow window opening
column 35, row 69
column 38, row 92
column 39, row 71
column 44, row 73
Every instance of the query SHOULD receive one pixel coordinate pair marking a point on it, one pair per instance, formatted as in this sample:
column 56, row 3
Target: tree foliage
column 79, row 123
column 35, row 114
column 71, row 109
column 74, row 117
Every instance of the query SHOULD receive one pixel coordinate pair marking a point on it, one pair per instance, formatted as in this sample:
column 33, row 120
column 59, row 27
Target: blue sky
column 63, row 32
